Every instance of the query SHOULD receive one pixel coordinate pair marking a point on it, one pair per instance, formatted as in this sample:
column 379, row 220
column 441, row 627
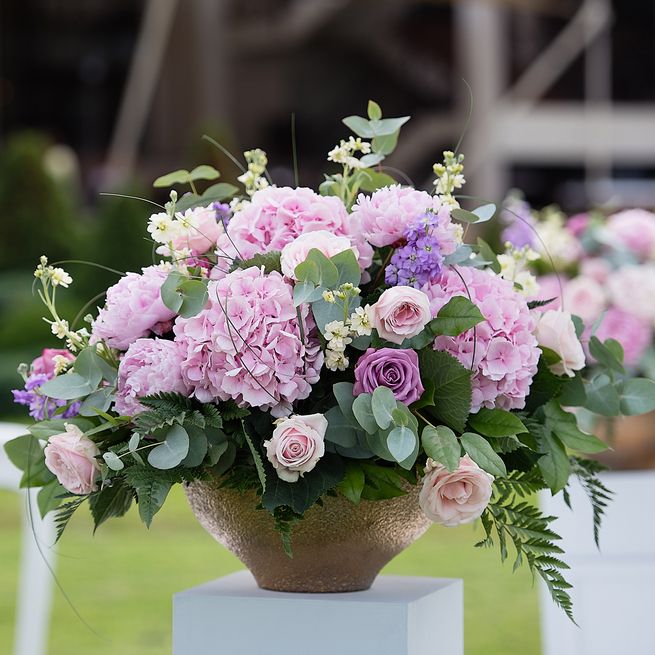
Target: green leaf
column 347, row 267
column 464, row 215
column 183, row 295
column 427, row 398
column 97, row 402
column 198, row 446
column 269, row 260
column 456, row 316
column 371, row 180
column 172, row 450
column 387, row 126
column 204, row 172
column 215, row 193
column 382, row 482
column 152, row 487
column 573, row 392
column 180, row 176
column 50, row 497
column 374, row 110
column 385, row 145
column 637, row 396
column 256, row 455
column 26, row 453
column 363, row 411
column 607, row 354
column 554, row 464
column 306, row 292
column 452, row 387
column 68, row 386
column 481, row 452
column 360, row 126
column 323, row 271
column 603, row 397
column 496, row 423
column 485, row 212
column 303, row 493
column 340, row 430
column 401, row 443
column 111, row 501
column 87, row 365
column 383, row 403
column 441, row 445
column 353, row 482
column 565, row 426
column 545, row 385
column 45, row 429
column 113, row 461
column 343, row 392
column 487, row 253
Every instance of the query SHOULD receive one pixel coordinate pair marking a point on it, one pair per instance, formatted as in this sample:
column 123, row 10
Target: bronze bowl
column 337, row 547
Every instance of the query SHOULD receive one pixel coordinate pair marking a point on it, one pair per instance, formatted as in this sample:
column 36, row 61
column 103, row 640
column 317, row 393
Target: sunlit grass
column 122, row 581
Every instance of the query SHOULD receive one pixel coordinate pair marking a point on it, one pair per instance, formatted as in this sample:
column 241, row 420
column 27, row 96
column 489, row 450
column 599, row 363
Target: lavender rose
column 72, row 458
column 457, row 497
column 400, row 313
column 296, row 445
column 388, row 367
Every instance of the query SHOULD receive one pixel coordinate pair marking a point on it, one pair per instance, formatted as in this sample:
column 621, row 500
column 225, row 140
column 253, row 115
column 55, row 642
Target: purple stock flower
column 520, row 230
column 223, row 212
column 420, row 260
column 42, row 407
column 389, row 367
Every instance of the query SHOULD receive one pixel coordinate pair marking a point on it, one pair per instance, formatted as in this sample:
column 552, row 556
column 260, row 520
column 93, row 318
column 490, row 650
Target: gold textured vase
column 338, row 546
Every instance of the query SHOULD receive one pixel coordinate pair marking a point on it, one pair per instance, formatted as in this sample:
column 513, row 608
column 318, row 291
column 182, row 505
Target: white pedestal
column 613, row 589
column 397, row 616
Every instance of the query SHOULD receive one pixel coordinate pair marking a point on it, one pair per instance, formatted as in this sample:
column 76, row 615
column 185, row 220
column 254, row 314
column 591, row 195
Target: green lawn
column 122, row 581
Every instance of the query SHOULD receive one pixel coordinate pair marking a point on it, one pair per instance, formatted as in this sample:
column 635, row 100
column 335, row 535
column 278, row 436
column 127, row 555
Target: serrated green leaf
column 458, row 315
column 353, row 482
column 554, row 464
column 565, row 426
column 50, row 497
column 111, row 501
column 481, row 452
column 441, row 445
column 496, row 423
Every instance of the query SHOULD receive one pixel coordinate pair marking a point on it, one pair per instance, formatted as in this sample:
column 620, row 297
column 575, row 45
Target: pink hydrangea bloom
column 134, row 309
column 634, row 229
column 275, row 216
column 246, row 344
column 385, row 215
column 632, row 332
column 506, row 350
column 149, row 366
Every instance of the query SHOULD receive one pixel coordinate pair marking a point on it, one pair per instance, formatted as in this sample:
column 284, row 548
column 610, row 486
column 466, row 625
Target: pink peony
column 72, row 458
column 149, row 366
column 577, row 224
column 595, row 268
column 633, row 333
column 632, row 289
column 246, row 344
column 634, row 230
column 296, row 251
column 134, row 309
column 45, row 364
column 556, row 331
column 584, row 297
column 457, row 497
column 296, row 445
column 200, row 230
column 386, row 214
column 400, row 313
column 275, row 216
column 504, row 346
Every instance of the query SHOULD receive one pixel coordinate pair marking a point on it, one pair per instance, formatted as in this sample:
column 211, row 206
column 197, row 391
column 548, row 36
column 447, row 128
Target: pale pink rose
column 200, row 230
column 585, row 297
column 400, row 313
column 72, row 458
column 457, row 497
column 556, row 331
column 596, row 268
column 634, row 230
column 296, row 252
column 296, row 445
column 632, row 289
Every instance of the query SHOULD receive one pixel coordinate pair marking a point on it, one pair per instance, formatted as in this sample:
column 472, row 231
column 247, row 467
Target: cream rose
column 296, row 252
column 556, row 331
column 72, row 458
column 457, row 497
column 296, row 445
column 400, row 313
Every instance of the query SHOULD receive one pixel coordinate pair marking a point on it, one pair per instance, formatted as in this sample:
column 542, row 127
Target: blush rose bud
column 556, row 331
column 400, row 313
column 457, row 497
column 72, row 458
column 296, row 445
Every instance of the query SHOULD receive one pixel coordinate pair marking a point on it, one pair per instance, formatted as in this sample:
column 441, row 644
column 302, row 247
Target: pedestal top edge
column 386, row 589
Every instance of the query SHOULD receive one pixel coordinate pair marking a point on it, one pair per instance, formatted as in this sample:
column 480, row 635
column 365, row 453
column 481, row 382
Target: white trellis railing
column 35, row 581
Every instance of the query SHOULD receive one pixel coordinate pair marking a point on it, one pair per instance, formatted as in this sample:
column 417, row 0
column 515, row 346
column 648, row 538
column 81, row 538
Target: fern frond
column 599, row 495
column 65, row 514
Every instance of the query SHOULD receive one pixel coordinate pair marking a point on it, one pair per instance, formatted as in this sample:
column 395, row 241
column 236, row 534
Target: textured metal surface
column 337, row 547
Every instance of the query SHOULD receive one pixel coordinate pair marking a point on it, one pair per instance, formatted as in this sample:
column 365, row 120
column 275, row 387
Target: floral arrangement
column 603, row 269
column 301, row 343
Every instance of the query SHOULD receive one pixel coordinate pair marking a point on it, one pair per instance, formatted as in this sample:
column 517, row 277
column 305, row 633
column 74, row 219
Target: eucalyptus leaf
column 637, row 396
column 363, row 411
column 383, row 404
column 340, row 430
column 401, row 443
column 172, row 450
column 113, row 461
column 67, row 386
column 374, row 110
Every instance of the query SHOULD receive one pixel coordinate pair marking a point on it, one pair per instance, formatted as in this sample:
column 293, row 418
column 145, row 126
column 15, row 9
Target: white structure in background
column 35, row 582
column 612, row 593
